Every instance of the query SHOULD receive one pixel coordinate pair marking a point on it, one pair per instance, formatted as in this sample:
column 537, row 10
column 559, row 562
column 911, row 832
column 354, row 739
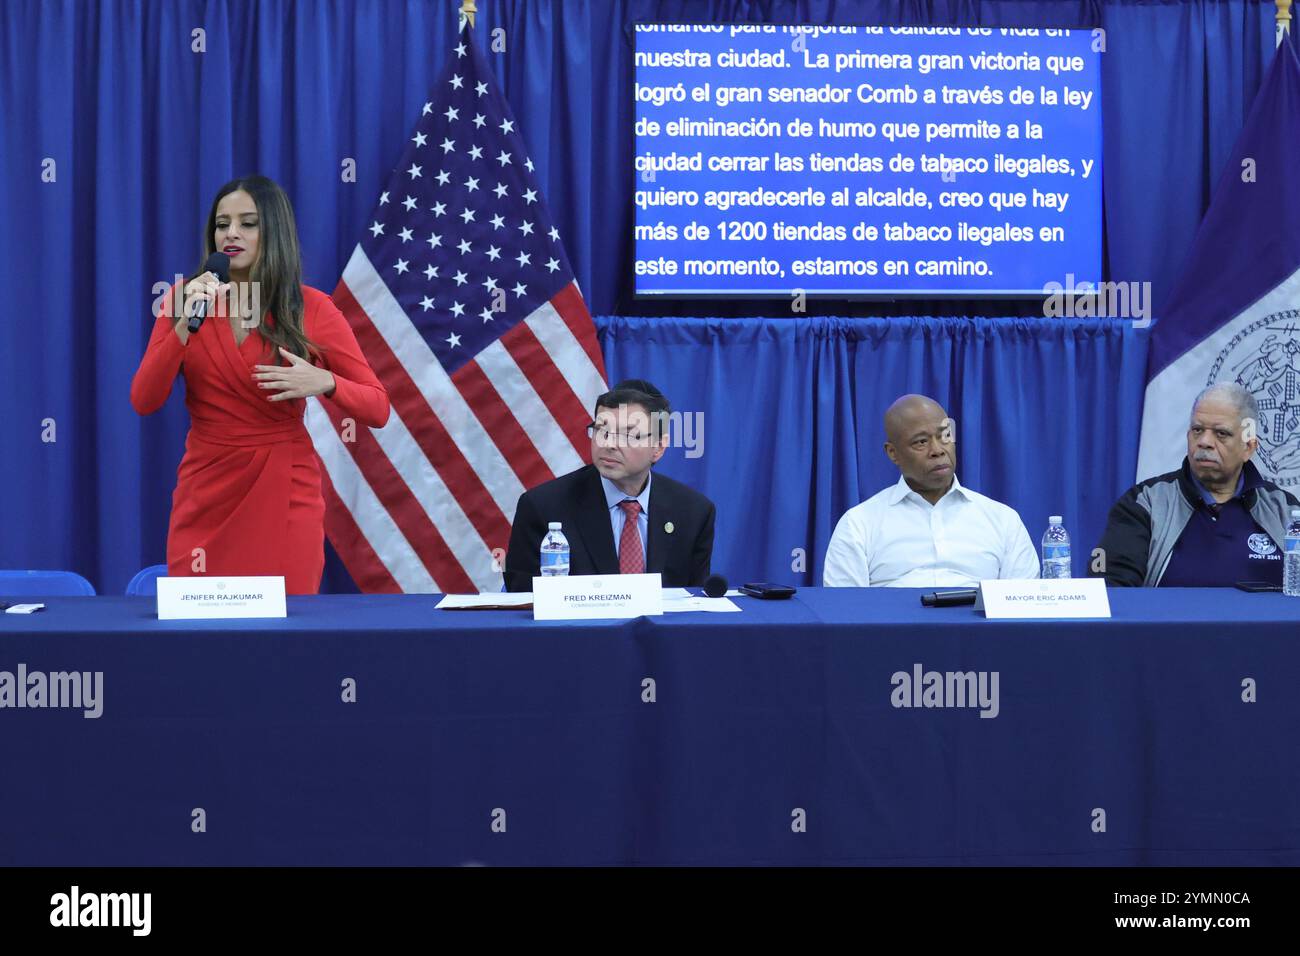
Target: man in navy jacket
column 1213, row 522
column 617, row 516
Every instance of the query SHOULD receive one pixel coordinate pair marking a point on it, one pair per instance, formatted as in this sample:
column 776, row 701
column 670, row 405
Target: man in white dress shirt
column 927, row 530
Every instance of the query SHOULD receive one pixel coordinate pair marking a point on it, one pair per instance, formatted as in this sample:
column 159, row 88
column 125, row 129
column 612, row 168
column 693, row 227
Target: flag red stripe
column 550, row 384
column 407, row 513
column 425, row 427
column 568, row 302
column 500, row 423
column 368, row 573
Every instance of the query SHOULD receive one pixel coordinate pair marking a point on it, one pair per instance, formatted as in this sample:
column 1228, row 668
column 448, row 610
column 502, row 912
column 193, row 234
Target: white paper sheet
column 23, row 608
column 693, row 603
column 672, row 594
column 460, row 602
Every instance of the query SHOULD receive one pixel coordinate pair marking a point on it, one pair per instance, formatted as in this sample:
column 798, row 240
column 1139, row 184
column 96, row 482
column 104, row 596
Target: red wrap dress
column 248, row 489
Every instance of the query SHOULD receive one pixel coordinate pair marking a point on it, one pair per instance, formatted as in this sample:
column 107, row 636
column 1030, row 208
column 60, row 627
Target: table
column 765, row 737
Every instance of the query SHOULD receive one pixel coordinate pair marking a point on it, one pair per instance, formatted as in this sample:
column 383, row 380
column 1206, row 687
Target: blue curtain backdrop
column 138, row 130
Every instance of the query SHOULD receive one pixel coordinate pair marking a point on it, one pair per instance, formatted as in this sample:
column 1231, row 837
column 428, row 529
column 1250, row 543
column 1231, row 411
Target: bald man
column 927, row 530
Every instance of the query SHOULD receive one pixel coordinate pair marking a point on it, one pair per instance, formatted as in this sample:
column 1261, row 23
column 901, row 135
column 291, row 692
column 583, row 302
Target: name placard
column 183, row 598
column 1050, row 598
column 574, row 597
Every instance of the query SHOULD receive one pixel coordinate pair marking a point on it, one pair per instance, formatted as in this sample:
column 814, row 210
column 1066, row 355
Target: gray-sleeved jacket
column 1149, row 518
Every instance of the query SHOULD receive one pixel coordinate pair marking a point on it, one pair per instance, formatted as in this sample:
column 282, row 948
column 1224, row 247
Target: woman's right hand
column 204, row 288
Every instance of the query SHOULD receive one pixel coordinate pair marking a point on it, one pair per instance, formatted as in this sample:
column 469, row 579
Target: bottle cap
column 553, row 526
column 1054, row 519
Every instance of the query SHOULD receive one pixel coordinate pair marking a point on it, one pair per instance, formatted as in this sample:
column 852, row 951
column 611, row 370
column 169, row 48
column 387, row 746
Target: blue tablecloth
column 769, row 736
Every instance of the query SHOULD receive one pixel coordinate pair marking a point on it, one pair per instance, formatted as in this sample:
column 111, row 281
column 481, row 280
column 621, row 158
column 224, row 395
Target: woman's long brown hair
column 278, row 269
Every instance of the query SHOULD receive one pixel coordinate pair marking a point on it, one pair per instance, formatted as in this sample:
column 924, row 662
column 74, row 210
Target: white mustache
column 1206, row 456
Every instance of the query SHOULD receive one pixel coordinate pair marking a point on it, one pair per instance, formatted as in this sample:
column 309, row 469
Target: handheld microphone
column 950, row 598
column 219, row 264
column 715, row 585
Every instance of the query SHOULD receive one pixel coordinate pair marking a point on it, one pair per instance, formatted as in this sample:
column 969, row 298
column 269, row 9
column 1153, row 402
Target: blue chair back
column 44, row 584
column 145, row 583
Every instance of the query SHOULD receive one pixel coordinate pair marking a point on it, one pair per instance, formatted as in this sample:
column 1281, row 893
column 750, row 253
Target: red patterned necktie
column 630, row 558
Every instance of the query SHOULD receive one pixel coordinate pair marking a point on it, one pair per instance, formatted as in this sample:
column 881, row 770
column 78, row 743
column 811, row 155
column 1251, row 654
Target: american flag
column 463, row 301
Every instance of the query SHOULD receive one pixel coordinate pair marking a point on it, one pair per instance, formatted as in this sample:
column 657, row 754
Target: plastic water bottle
column 1056, row 550
column 1291, row 562
column 555, row 551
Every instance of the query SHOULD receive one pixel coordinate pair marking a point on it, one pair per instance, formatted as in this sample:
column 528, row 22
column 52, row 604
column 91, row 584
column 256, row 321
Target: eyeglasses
column 607, row 436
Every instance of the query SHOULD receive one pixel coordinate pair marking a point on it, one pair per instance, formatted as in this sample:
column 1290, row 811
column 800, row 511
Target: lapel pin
column 668, row 527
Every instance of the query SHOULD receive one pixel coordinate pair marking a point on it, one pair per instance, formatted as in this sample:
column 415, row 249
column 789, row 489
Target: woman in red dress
column 248, row 491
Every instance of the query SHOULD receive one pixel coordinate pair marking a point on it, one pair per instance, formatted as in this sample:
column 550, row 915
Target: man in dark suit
column 617, row 516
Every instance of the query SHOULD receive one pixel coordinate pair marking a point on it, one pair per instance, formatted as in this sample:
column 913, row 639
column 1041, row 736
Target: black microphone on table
column 219, row 264
column 715, row 585
column 950, row 598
